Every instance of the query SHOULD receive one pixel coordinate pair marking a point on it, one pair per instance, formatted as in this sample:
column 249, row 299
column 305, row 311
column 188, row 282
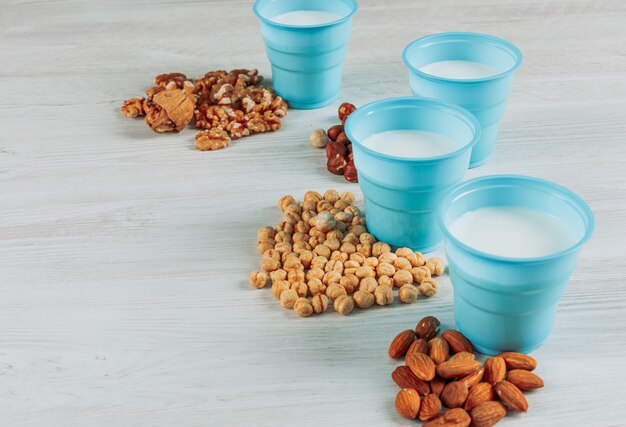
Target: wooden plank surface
column 124, row 255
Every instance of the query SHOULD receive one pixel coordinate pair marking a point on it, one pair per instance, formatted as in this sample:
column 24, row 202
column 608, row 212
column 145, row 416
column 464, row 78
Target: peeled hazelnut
column 420, row 273
column 365, row 271
column 380, row 248
column 371, row 261
column 403, row 277
column 350, row 283
column 428, row 287
column 402, row 264
column 325, row 221
column 345, row 110
column 333, row 244
column 318, row 138
column 319, row 303
column 279, row 287
column 385, row 269
column 270, row 264
column 265, row 233
column 383, row 295
column 359, row 258
column 350, row 238
column 315, row 272
column 265, row 245
column 339, row 256
column 257, row 279
column 357, row 230
column 420, row 259
column 408, row 294
column 344, row 305
column 288, row 298
column 367, row 238
column 286, row 201
column 389, row 257
column 336, row 164
column 322, row 250
column 301, row 288
column 386, row 281
column 436, row 266
column 303, row 307
column 331, row 277
column 335, row 290
column 350, row 266
column 363, row 299
column 312, row 196
column 316, row 286
column 348, row 197
column 331, row 196
column 347, row 248
column 368, row 284
column 277, row 275
column 295, row 276
column 334, row 131
column 364, row 249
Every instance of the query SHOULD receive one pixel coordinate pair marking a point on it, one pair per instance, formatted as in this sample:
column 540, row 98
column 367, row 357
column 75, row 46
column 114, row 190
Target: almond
column 431, row 405
column 408, row 403
column 456, row 417
column 524, row 380
column 472, row 379
column 487, row 414
column 438, row 350
column 463, row 355
column 401, row 343
column 481, row 392
column 511, row 395
column 421, row 365
column 457, row 341
column 403, row 376
column 495, row 370
column 455, row 369
column 427, row 328
column 518, row 361
column 420, row 345
column 454, row 395
column 436, row 385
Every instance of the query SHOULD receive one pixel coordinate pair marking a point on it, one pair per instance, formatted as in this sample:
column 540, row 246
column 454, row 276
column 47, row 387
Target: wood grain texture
column 124, row 255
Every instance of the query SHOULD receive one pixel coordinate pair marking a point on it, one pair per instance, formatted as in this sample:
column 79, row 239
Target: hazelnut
column 334, row 131
column 334, row 148
column 420, row 273
column 383, row 295
column 331, row 277
column 257, row 279
column 363, row 299
column 286, row 201
column 266, row 233
column 318, row 138
column 336, row 164
column 342, row 138
column 386, row 281
column 371, row 261
column 368, row 284
column 295, row 276
column 365, row 271
column 325, row 221
column 279, row 287
column 288, row 298
column 331, row 196
column 350, row 283
column 335, row 290
column 349, row 172
column 303, row 307
column 403, row 277
column 301, row 288
column 402, row 264
column 316, row 286
column 436, row 266
column 385, row 269
column 319, row 303
column 428, row 287
column 347, row 248
column 380, row 248
column 277, row 275
column 270, row 264
column 314, row 273
column 344, row 305
column 345, row 110
column 407, row 294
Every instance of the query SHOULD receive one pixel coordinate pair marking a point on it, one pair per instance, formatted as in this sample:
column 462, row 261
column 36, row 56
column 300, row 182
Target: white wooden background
column 124, row 255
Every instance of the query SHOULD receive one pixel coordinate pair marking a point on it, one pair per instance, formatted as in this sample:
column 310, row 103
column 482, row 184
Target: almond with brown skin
column 420, row 345
column 511, row 395
column 456, row 417
column 454, row 395
column 408, row 403
column 455, row 369
column 457, row 341
column 431, row 405
column 428, row 328
column 436, row 385
column 495, row 370
column 401, row 343
column 421, row 365
column 438, row 350
column 487, row 414
column 518, row 361
column 481, row 392
column 463, row 355
column 524, row 380
column 472, row 379
column 403, row 376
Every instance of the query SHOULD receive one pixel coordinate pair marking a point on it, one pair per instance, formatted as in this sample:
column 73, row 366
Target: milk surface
column 411, row 143
column 460, row 69
column 513, row 232
column 305, row 17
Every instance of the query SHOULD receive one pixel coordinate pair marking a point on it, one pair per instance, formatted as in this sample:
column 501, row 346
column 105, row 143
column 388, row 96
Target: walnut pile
column 224, row 105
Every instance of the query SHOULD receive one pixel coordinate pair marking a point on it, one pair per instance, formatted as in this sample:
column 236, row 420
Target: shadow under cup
column 307, row 60
column 402, row 194
column 485, row 97
column 509, row 304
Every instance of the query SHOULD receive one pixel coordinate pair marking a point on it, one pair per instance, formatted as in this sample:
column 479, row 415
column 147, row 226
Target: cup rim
column 555, row 189
column 456, row 110
column 478, row 37
column 352, row 3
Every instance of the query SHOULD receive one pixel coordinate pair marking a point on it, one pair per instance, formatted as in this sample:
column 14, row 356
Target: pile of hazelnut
column 321, row 252
column 225, row 105
column 338, row 146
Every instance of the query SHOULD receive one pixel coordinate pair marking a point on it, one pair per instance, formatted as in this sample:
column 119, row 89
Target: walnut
column 170, row 109
column 133, row 107
column 213, row 139
column 163, row 79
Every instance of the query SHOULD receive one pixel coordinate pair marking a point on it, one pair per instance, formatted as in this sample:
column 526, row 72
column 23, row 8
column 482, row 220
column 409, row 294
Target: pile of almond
column 442, row 371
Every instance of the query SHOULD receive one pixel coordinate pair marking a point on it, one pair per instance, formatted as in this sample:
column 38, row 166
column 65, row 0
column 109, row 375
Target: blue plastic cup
column 402, row 194
column 484, row 97
column 509, row 304
column 307, row 61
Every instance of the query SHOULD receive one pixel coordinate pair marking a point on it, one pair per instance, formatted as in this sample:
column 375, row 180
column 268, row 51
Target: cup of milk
column 409, row 152
column 472, row 70
column 306, row 43
column 512, row 243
